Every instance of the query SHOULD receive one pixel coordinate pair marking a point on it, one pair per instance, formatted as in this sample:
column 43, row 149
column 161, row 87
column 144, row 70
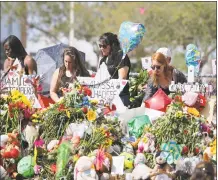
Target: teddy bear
column 84, row 169
column 161, row 168
column 146, row 143
column 140, row 171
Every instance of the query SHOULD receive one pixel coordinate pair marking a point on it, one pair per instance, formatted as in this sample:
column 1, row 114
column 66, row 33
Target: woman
column 14, row 49
column 72, row 67
column 117, row 67
column 161, row 76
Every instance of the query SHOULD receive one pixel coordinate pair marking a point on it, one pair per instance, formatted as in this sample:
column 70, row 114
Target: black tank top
column 64, row 83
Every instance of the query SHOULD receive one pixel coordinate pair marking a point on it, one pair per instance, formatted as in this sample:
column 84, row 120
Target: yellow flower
column 68, row 113
column 193, row 111
column 94, row 101
column 25, row 101
column 179, row 114
column 213, row 148
column 108, row 142
column 145, row 140
column 91, row 115
column 15, row 94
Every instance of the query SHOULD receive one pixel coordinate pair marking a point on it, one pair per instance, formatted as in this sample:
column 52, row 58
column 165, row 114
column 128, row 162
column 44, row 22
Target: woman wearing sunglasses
column 117, row 67
column 161, row 76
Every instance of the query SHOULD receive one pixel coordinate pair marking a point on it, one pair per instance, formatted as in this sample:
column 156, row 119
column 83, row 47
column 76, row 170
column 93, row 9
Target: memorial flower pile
column 18, row 112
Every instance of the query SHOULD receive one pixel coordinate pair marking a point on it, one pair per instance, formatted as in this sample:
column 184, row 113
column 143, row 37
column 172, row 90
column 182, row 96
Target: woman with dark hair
column 14, row 49
column 72, row 67
column 117, row 67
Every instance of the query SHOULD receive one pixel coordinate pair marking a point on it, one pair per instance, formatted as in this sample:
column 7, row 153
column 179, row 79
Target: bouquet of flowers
column 179, row 126
column 18, row 112
column 136, row 88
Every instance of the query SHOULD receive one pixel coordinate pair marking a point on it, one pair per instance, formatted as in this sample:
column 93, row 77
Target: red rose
column 14, row 153
column 185, row 150
column 84, row 110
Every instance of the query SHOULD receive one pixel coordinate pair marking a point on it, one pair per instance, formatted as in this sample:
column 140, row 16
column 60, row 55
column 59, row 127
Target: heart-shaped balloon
column 192, row 55
column 159, row 101
column 130, row 35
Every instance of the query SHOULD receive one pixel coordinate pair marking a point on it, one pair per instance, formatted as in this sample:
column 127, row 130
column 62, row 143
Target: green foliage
column 167, row 23
column 178, row 126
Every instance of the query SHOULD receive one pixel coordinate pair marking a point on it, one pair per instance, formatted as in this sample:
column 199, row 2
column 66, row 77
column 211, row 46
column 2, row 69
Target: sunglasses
column 155, row 66
column 102, row 46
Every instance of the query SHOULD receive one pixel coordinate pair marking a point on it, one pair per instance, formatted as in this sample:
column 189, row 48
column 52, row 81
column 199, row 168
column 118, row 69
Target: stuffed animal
column 128, row 153
column 84, row 169
column 30, row 134
column 141, row 171
column 12, row 147
column 161, row 167
column 146, row 143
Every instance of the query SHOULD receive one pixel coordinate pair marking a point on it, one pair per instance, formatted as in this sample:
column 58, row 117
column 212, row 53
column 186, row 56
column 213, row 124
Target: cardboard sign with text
column 22, row 83
column 103, row 90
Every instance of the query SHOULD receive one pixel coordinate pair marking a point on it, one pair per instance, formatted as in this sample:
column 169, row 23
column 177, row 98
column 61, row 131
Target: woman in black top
column 72, row 67
column 117, row 67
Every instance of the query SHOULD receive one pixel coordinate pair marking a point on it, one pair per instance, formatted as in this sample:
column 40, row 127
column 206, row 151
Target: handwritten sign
column 146, row 63
column 22, row 83
column 103, row 90
column 205, row 88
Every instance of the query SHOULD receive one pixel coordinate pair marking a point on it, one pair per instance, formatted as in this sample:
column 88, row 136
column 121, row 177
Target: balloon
column 159, row 101
column 130, row 35
column 193, row 57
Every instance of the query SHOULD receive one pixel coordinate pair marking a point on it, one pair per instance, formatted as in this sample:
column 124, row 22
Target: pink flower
column 37, row 169
column 39, row 143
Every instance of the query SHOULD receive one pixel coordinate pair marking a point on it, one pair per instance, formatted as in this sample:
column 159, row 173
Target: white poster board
column 146, row 63
column 22, row 83
column 103, row 90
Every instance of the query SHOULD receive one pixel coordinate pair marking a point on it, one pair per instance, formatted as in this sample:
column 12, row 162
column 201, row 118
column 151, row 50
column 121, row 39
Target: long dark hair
column 80, row 68
column 112, row 40
column 16, row 46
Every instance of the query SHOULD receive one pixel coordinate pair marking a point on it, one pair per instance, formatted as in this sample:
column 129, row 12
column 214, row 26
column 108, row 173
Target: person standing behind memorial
column 14, row 49
column 72, row 67
column 176, row 73
column 117, row 67
column 161, row 76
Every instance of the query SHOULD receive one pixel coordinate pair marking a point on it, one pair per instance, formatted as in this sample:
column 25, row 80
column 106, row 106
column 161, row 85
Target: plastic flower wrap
column 130, row 35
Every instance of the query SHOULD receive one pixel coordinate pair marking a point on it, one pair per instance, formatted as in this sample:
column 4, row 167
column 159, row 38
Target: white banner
column 106, row 90
column 22, row 83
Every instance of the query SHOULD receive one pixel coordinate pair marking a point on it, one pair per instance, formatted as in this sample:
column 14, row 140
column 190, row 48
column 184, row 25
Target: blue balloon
column 130, row 36
column 192, row 55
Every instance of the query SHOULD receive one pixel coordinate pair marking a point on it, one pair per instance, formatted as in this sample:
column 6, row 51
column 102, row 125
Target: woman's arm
column 53, row 89
column 6, row 65
column 31, row 64
column 122, row 72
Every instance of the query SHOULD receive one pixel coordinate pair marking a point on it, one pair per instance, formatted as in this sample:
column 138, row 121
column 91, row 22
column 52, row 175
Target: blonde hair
column 168, row 70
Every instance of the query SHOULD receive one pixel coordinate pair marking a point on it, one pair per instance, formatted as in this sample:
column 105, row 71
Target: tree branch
column 31, row 25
